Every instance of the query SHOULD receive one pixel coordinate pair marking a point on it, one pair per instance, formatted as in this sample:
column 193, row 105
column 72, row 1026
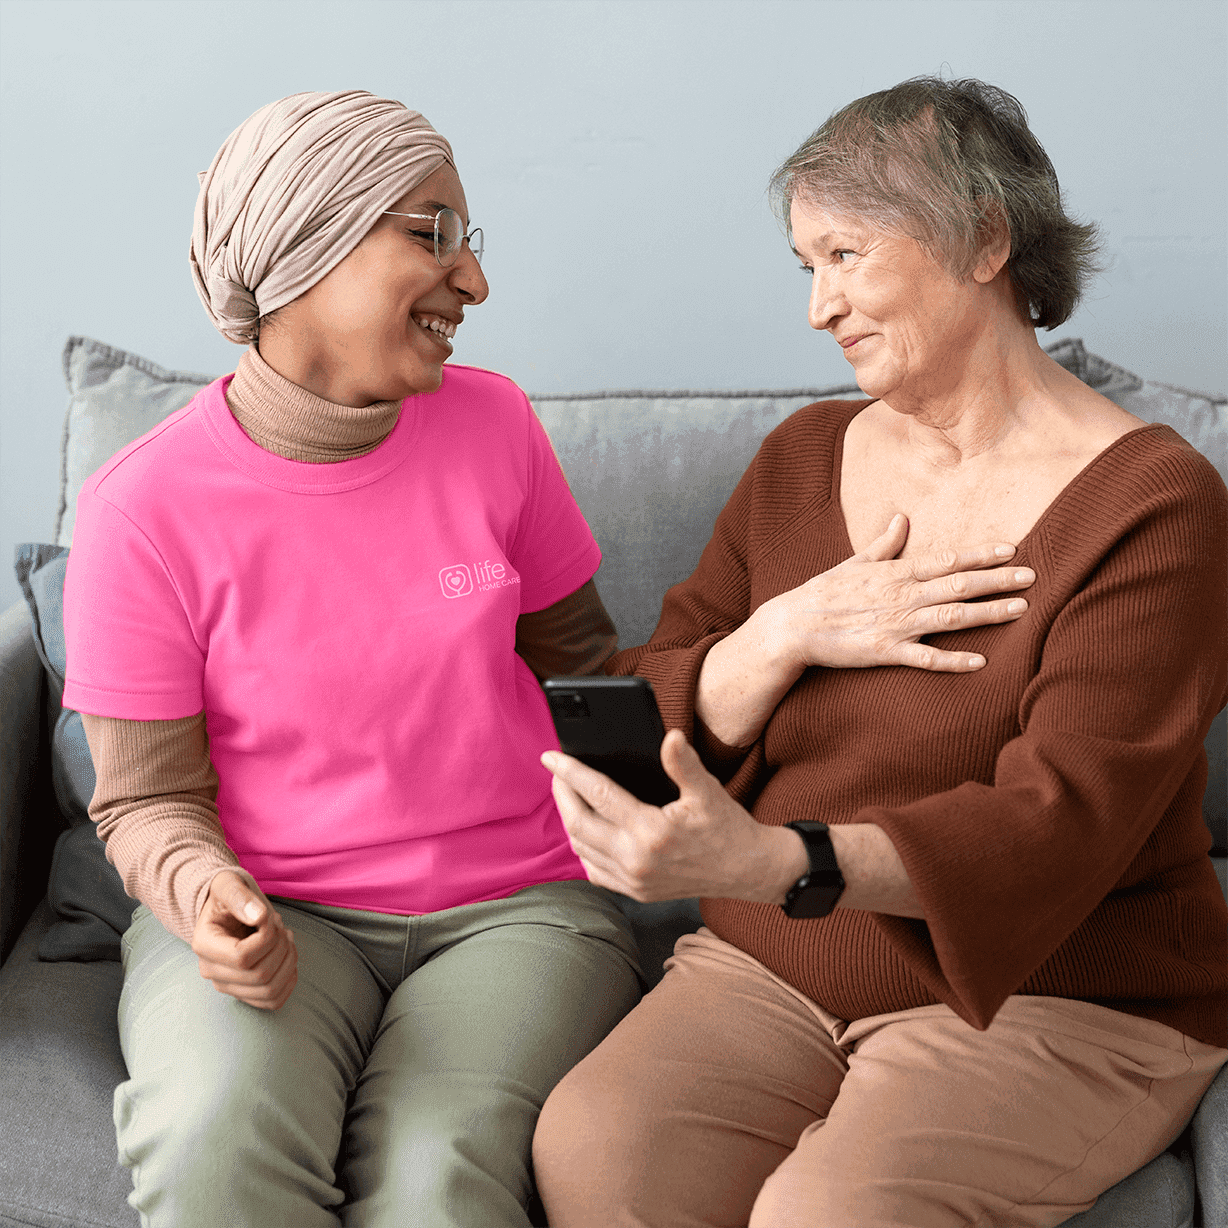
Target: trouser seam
column 1074, row 1168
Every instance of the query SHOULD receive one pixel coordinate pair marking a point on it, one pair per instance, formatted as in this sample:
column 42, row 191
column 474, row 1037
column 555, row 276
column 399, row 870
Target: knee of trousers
column 593, row 1131
column 456, row 1154
column 190, row 1137
column 822, row 1192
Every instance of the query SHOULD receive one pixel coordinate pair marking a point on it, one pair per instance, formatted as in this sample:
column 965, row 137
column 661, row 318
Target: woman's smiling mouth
column 439, row 330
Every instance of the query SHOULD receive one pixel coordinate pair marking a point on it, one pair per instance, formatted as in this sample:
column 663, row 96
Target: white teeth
column 443, row 327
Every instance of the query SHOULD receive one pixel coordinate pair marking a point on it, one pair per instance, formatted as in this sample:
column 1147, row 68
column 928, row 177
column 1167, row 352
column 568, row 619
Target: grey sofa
column 650, row 471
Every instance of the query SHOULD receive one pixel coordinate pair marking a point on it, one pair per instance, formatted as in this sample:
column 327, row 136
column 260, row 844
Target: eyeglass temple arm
column 429, row 217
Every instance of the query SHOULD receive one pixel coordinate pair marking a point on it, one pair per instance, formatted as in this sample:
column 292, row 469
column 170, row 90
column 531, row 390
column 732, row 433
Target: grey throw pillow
column 114, row 398
column 88, row 897
column 84, row 888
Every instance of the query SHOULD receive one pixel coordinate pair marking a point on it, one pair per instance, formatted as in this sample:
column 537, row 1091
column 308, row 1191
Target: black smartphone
column 613, row 725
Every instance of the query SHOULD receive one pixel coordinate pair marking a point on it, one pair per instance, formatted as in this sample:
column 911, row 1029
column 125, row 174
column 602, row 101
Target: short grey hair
column 942, row 161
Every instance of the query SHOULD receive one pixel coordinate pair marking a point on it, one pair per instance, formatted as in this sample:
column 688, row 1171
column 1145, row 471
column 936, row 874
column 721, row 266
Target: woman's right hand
column 243, row 946
column 872, row 609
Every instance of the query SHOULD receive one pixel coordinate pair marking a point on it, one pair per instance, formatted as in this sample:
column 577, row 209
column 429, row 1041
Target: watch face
column 814, row 900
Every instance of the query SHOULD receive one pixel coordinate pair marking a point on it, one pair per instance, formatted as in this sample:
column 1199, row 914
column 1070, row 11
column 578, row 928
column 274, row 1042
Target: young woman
column 303, row 617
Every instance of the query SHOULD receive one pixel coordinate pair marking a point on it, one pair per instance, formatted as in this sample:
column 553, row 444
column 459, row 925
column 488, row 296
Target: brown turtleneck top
column 155, row 800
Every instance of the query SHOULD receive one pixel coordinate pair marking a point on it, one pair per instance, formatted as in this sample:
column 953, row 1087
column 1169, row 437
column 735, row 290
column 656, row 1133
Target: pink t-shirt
column 348, row 630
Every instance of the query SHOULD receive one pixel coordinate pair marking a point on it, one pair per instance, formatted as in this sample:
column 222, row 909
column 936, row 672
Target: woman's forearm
column 155, row 807
column 874, row 876
column 742, row 679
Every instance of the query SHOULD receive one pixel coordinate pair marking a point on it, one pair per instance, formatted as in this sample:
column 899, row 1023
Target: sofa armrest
column 29, row 818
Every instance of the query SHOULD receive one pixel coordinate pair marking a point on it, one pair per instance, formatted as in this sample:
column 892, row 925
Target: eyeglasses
column 449, row 234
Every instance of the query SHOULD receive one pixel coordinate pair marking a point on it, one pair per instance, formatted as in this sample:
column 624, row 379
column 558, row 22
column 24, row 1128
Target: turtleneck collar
column 296, row 424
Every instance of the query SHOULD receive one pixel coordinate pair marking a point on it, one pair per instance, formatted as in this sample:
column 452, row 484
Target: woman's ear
column 994, row 234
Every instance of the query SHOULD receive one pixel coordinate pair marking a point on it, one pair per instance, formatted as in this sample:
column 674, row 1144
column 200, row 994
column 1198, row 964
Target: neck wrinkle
column 291, row 422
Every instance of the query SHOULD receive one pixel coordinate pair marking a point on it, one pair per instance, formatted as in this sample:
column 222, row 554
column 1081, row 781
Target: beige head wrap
column 293, row 191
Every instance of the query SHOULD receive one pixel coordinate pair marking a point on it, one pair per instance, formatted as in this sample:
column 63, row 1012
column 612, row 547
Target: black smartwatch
column 815, row 893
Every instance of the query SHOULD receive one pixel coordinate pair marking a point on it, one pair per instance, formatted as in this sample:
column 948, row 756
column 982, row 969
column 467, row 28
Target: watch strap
column 815, row 894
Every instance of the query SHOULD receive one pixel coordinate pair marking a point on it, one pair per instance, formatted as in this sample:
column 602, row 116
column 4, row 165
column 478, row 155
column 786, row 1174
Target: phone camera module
column 569, row 705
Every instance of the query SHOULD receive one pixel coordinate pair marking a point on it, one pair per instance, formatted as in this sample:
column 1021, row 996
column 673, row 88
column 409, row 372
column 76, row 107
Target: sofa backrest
column 651, row 470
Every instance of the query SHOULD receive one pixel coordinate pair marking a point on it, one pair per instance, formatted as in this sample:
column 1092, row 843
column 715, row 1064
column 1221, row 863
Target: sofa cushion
column 635, row 461
column 40, row 572
column 84, row 888
column 60, row 1061
column 114, row 398
column 88, row 898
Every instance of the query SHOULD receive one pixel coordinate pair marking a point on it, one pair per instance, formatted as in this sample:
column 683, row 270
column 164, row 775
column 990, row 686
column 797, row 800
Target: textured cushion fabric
column 59, row 1064
column 40, row 572
column 1159, row 1195
column 84, row 888
column 114, row 397
column 87, row 895
column 1210, row 1146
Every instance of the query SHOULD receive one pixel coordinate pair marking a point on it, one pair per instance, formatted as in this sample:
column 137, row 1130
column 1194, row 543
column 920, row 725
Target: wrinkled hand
column 243, row 946
column 702, row 844
column 873, row 608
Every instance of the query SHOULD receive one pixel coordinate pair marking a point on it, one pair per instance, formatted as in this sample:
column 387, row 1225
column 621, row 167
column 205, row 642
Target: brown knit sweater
column 1047, row 808
column 155, row 800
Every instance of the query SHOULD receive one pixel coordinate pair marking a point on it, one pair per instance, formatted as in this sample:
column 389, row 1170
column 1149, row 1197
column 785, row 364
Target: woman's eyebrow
column 819, row 243
column 437, row 205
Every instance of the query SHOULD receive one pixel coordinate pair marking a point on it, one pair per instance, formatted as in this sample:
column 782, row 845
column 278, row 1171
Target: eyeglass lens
column 450, row 233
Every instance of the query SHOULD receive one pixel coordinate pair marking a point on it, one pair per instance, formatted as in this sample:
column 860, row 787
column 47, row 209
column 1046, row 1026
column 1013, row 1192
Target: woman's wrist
column 786, row 862
column 743, row 678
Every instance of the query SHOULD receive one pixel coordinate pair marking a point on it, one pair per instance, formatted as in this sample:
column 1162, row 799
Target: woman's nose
column 467, row 278
column 826, row 304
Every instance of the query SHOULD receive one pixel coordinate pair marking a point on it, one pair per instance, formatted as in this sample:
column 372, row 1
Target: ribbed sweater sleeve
column 155, row 806
column 573, row 636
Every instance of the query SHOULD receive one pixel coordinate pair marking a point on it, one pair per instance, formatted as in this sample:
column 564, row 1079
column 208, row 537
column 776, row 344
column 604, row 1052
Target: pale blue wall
column 616, row 155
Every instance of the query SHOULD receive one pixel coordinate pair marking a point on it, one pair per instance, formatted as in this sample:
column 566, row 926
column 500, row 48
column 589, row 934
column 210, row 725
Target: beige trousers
column 728, row 1098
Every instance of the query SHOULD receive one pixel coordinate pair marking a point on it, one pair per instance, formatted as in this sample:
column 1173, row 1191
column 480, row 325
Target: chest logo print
column 459, row 579
column 456, row 581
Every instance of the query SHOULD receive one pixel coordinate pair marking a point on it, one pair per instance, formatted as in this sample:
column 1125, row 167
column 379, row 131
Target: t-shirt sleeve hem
column 543, row 593
column 131, row 705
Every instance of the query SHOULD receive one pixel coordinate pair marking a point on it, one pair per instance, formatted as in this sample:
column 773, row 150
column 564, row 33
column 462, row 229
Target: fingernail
column 1017, row 606
column 548, row 760
column 1025, row 576
column 1004, row 552
column 251, row 912
column 975, row 662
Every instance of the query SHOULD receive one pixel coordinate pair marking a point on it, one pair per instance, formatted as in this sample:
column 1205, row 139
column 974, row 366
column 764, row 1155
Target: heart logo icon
column 456, row 581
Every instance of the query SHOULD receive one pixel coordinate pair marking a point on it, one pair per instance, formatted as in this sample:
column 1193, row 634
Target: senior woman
column 964, row 953
column 303, row 616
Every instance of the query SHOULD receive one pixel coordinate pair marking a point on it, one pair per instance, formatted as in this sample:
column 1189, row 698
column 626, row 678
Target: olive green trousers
column 400, row 1083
